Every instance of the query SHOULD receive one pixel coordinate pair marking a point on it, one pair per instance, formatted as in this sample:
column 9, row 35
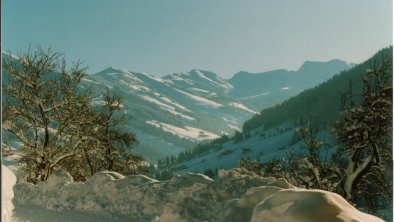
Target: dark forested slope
column 321, row 104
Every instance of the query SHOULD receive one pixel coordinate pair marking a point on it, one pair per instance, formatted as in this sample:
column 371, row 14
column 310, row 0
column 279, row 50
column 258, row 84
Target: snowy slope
column 200, row 80
column 174, row 113
column 263, row 90
column 185, row 108
column 167, row 114
column 262, row 145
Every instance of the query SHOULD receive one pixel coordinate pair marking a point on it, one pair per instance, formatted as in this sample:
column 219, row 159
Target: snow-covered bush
column 238, row 195
column 46, row 109
column 365, row 135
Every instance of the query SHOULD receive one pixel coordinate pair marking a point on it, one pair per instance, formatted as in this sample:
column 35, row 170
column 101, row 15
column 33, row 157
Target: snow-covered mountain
column 274, row 131
column 263, row 90
column 173, row 113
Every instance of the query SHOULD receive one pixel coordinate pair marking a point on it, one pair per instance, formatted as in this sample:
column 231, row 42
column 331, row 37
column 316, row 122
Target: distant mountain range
column 173, row 113
column 270, row 133
column 176, row 112
column 262, row 90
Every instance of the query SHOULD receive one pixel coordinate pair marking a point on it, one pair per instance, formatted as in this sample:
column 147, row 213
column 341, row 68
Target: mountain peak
column 312, row 66
column 111, row 70
column 204, row 74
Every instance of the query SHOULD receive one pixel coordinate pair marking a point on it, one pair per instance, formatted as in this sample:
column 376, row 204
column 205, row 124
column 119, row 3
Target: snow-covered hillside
column 263, row 90
column 176, row 112
column 237, row 196
column 260, row 144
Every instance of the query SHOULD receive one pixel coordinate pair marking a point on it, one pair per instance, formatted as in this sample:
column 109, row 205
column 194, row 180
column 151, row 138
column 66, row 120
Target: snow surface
column 166, row 107
column 153, row 77
column 7, row 194
column 185, row 132
column 300, row 205
column 175, row 104
column 201, row 78
column 236, row 196
column 254, row 96
column 234, row 127
column 179, row 100
column 262, row 148
column 221, row 84
column 241, row 106
column 157, row 102
column 199, row 90
column 94, row 82
column 201, row 100
column 135, row 86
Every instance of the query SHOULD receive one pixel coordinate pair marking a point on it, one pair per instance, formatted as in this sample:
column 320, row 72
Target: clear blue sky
column 223, row 36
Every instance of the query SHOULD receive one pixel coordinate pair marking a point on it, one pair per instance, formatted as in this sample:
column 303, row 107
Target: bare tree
column 56, row 123
column 114, row 141
column 44, row 110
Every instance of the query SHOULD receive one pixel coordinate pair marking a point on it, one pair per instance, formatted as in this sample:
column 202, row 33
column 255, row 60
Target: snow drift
column 7, row 182
column 237, row 195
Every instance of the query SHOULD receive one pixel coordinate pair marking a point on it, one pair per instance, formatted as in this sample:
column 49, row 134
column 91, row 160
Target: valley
column 174, row 113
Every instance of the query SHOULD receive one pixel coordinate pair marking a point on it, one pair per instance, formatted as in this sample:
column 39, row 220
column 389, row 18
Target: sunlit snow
column 201, row 99
column 8, row 180
column 241, row 106
column 237, row 196
column 185, row 132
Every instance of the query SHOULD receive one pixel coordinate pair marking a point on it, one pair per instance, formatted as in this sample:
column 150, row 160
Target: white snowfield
column 241, row 106
column 197, row 98
column 192, row 133
column 236, row 196
column 8, row 180
column 307, row 206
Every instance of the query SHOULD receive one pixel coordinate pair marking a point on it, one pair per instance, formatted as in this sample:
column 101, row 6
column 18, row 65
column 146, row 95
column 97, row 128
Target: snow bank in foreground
column 7, row 182
column 236, row 196
column 307, row 206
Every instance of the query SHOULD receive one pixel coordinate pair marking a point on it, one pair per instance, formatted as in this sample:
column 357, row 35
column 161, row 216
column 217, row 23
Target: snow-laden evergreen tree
column 365, row 136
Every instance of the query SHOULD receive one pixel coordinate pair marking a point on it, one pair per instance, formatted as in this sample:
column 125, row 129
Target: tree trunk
column 89, row 162
column 353, row 173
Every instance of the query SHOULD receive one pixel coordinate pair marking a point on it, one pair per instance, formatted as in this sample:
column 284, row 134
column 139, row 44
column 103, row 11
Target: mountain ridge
column 272, row 132
column 174, row 113
column 269, row 85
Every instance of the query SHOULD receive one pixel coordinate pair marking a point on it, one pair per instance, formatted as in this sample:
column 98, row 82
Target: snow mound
column 104, row 176
column 188, row 179
column 300, row 205
column 238, row 195
column 57, row 179
column 8, row 180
